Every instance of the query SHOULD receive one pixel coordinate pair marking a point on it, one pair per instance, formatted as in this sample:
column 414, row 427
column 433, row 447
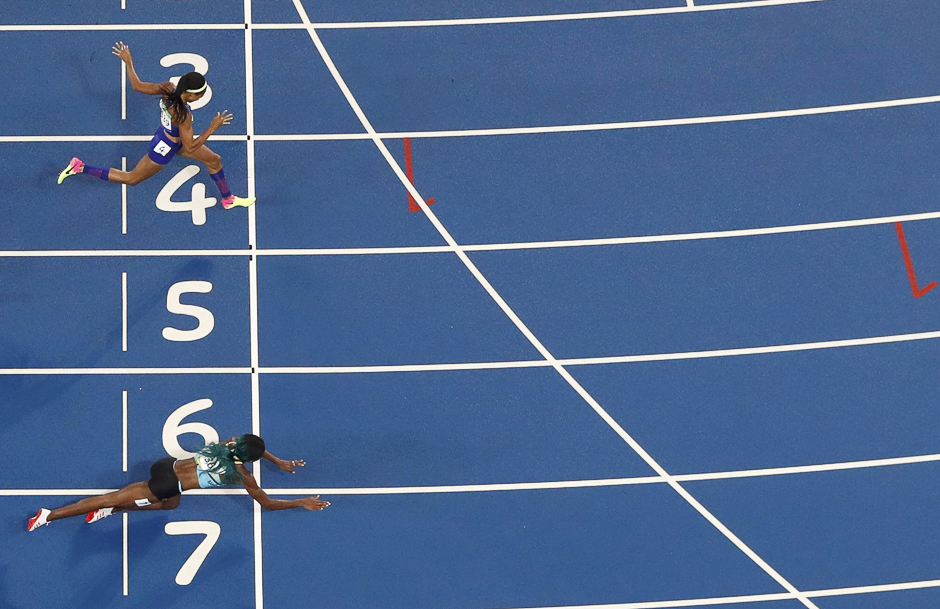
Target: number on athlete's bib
column 199, row 64
column 162, row 148
column 174, row 428
column 210, row 529
column 198, row 203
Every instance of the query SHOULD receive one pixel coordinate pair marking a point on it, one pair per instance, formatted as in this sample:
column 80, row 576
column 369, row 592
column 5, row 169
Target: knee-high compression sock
column 221, row 182
column 98, row 172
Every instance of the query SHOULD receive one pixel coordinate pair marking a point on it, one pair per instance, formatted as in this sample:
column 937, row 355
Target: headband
column 200, row 89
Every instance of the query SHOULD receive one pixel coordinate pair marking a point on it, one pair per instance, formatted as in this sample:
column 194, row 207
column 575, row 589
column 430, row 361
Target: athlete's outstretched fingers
column 314, row 504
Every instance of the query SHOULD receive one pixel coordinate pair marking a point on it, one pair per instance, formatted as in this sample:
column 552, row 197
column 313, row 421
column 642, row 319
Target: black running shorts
column 163, row 481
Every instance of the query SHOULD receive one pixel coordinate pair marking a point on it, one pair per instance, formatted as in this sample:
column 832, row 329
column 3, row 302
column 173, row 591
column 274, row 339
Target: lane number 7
column 210, row 529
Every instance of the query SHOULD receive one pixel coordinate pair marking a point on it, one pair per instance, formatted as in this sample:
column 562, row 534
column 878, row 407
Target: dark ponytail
column 225, row 457
column 174, row 103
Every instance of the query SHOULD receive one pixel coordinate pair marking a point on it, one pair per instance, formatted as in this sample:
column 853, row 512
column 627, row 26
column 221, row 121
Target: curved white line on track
column 644, row 124
column 583, row 361
column 667, row 122
column 613, row 359
column 643, row 12
column 57, row 371
column 527, row 486
column 759, row 598
column 406, row 24
column 485, row 247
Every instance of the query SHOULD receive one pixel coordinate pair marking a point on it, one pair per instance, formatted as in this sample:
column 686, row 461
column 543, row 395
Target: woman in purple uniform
column 175, row 135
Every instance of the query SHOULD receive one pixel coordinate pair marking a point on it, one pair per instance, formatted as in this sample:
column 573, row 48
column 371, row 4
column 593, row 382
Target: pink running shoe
column 38, row 520
column 75, row 166
column 233, row 201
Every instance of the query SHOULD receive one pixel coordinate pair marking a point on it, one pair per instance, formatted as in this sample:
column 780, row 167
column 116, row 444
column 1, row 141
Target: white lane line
column 546, row 18
column 33, row 139
column 124, row 311
column 417, row 23
column 529, row 486
column 745, row 232
column 253, row 298
column 106, row 371
column 106, row 27
column 124, row 554
column 362, row 251
column 759, row 598
column 123, row 198
column 608, row 482
column 124, row 430
column 396, row 168
column 483, row 247
column 668, row 122
column 542, row 363
column 613, row 359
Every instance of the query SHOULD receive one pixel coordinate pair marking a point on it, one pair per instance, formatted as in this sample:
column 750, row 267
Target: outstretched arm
column 186, row 130
column 310, row 503
column 124, row 52
column 287, row 466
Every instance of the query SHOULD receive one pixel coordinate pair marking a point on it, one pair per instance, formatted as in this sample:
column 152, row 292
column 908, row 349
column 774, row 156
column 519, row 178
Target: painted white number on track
column 174, row 428
column 210, row 529
column 203, row 316
column 198, row 203
column 199, row 64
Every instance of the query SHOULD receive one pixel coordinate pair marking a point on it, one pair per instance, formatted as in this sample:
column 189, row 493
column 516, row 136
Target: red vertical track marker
column 410, row 172
column 918, row 292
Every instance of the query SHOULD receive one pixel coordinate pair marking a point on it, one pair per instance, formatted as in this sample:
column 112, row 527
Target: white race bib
column 162, row 148
column 165, row 119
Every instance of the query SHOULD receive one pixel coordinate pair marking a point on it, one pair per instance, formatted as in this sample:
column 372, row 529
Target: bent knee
column 171, row 503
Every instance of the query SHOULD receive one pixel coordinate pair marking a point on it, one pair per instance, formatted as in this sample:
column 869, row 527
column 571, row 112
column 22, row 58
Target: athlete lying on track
column 217, row 464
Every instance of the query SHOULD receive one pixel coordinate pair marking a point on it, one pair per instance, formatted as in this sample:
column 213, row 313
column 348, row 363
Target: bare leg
column 145, row 168
column 166, row 504
column 128, row 494
column 204, row 155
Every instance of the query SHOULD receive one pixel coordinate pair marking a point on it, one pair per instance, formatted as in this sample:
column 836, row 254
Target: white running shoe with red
column 98, row 515
column 38, row 520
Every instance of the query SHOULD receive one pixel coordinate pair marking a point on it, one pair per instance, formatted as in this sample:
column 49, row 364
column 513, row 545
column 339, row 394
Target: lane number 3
column 199, row 64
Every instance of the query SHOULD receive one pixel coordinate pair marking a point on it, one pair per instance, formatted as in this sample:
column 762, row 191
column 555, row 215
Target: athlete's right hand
column 313, row 503
column 122, row 50
column 222, row 118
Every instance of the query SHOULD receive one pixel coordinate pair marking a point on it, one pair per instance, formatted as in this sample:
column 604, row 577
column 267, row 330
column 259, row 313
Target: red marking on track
column 917, row 291
column 410, row 172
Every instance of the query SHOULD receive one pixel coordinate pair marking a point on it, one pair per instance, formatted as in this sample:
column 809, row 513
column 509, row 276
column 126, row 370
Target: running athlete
column 175, row 134
column 217, row 464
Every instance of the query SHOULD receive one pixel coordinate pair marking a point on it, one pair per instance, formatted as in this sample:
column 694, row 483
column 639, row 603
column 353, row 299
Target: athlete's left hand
column 222, row 118
column 122, row 50
column 288, row 466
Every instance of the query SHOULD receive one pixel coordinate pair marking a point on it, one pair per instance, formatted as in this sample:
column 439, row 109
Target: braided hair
column 191, row 82
column 225, row 457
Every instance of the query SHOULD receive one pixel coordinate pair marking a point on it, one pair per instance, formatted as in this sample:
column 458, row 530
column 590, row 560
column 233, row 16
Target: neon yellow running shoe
column 75, row 166
column 233, row 201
